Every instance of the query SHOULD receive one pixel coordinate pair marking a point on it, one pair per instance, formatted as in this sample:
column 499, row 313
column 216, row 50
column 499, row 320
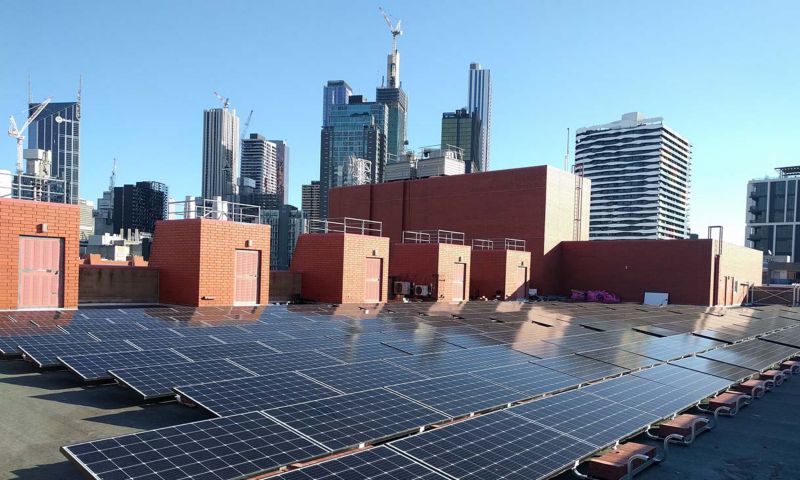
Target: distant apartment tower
column 286, row 223
column 336, row 92
column 640, row 171
column 310, row 200
column 57, row 129
column 87, row 219
column 104, row 214
column 220, row 152
column 140, row 206
column 356, row 130
column 480, row 104
column 773, row 221
column 282, row 168
column 259, row 163
column 461, row 129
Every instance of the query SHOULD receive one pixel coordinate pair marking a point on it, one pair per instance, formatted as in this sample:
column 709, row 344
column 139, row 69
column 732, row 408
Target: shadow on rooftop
column 154, row 416
column 60, row 470
column 16, row 367
column 105, row 397
column 46, row 380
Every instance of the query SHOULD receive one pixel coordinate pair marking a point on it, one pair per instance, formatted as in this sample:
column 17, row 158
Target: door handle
column 55, row 273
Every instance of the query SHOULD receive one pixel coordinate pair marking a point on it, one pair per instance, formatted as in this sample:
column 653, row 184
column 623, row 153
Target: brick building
column 211, row 262
column 39, row 245
column 503, row 273
column 443, row 267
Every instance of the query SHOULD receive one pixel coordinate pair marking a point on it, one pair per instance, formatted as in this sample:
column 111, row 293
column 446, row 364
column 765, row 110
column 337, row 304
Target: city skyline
column 734, row 104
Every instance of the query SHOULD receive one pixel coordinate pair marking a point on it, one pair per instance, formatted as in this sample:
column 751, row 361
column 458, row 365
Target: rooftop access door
column 248, row 276
column 522, row 284
column 40, row 266
column 373, row 275
column 459, row 278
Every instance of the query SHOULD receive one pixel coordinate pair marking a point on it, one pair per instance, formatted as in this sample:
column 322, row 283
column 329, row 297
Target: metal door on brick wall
column 459, row 278
column 373, row 277
column 40, row 272
column 248, row 266
column 522, row 283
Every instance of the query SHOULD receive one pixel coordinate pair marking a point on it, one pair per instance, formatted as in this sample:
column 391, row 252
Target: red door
column 459, row 277
column 522, row 283
column 373, row 276
column 248, row 266
column 40, row 281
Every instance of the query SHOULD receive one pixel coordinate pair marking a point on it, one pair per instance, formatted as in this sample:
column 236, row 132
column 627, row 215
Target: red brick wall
column 504, row 203
column 430, row 264
column 197, row 258
column 494, row 270
column 332, row 265
column 21, row 217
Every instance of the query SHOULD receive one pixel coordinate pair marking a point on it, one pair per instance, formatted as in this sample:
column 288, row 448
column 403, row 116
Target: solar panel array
column 292, row 384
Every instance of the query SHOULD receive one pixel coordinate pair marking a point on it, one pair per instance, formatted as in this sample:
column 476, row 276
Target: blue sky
column 725, row 74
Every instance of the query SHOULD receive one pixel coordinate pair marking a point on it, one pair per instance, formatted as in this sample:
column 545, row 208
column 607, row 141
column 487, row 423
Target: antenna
column 113, row 179
column 566, row 157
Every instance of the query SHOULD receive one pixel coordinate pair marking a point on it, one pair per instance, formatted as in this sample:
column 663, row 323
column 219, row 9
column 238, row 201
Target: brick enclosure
column 430, row 264
column 535, row 204
column 332, row 265
column 498, row 270
column 683, row 268
column 197, row 258
column 22, row 217
column 117, row 284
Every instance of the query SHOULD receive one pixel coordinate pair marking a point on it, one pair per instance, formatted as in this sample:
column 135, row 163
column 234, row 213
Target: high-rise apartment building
column 310, row 200
column 336, row 92
column 220, row 152
column 640, row 171
column 259, row 163
column 480, row 104
column 356, row 131
column 87, row 219
column 773, row 214
column 104, row 214
column 282, row 167
column 140, row 206
column 286, row 223
column 57, row 130
column 461, row 129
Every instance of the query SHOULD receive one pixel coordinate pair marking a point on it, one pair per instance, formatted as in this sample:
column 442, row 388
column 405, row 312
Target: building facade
column 286, row 223
column 220, row 152
column 140, row 206
column 57, row 130
column 282, row 169
column 641, row 177
column 480, row 104
column 336, row 92
column 259, row 163
column 461, row 129
column 87, row 219
column 310, row 200
column 356, row 130
column 772, row 219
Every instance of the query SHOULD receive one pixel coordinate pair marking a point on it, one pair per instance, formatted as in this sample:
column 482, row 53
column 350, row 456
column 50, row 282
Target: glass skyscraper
column 62, row 138
column 220, row 152
column 336, row 92
column 461, row 129
column 480, row 103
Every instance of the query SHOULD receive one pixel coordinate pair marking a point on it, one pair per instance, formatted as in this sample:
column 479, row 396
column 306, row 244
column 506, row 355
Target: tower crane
column 396, row 32
column 15, row 132
column 247, row 124
column 225, row 100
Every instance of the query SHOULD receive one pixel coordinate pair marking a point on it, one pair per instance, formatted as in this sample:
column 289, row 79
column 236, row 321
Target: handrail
column 358, row 226
column 498, row 244
column 433, row 236
column 216, row 209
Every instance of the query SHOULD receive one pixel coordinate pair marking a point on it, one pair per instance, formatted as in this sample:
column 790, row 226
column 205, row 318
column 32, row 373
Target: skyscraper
column 220, row 152
column 282, row 167
column 640, row 171
column 87, row 219
column 461, row 129
column 336, row 92
column 310, row 200
column 140, row 206
column 480, row 103
column 259, row 163
column 392, row 95
column 357, row 131
column 57, row 129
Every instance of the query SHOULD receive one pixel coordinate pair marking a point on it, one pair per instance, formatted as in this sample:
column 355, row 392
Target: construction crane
column 247, row 124
column 17, row 133
column 225, row 100
column 396, row 32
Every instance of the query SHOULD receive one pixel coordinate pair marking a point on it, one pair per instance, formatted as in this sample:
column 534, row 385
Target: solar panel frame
column 584, row 368
column 46, row 355
column 620, row 358
column 529, row 379
column 9, row 346
column 285, row 362
column 357, row 377
column 715, row 368
column 754, row 354
column 224, row 350
column 93, row 368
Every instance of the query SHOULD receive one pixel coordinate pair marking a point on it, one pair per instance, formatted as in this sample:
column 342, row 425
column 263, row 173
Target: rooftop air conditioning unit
column 421, row 290
column 402, row 288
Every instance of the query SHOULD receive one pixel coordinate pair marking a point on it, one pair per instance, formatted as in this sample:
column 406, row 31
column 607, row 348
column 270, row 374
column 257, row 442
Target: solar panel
column 461, row 361
column 95, row 367
column 173, row 342
column 156, row 381
column 431, row 344
column 300, row 345
column 672, row 375
column 789, row 337
column 223, row 350
column 713, row 367
column 595, row 340
column 220, row 330
column 458, row 395
column 580, row 367
column 590, row 418
column 363, row 352
column 108, row 335
column 251, row 394
column 357, row 377
column 620, row 358
column 754, row 354
column 230, row 447
column 497, row 445
column 349, row 420
column 714, row 334
column 10, row 345
column 284, row 362
column 541, row 349
column 670, row 348
column 46, row 355
column 379, row 463
column 528, row 379
column 472, row 341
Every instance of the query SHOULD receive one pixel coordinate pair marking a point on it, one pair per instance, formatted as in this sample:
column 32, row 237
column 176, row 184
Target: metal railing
column 215, row 209
column 357, row 226
column 433, row 236
column 498, row 244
